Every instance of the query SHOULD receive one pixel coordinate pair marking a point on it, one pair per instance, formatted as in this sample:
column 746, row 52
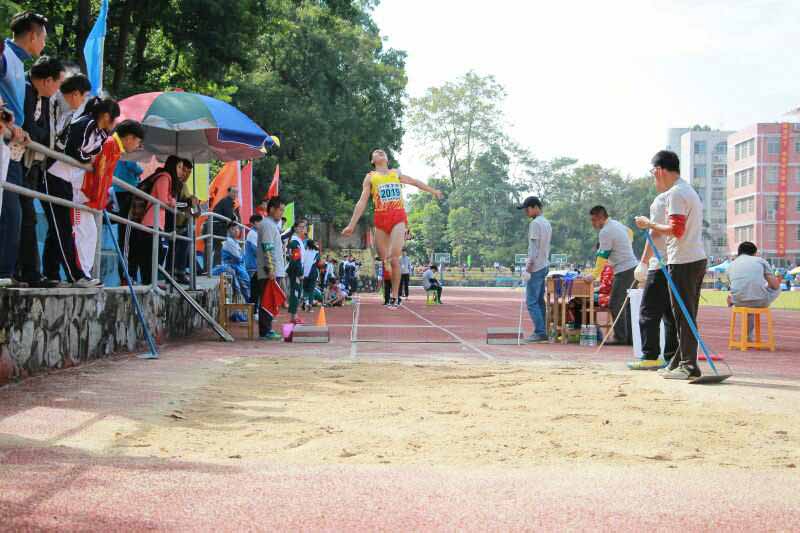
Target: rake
column 717, row 377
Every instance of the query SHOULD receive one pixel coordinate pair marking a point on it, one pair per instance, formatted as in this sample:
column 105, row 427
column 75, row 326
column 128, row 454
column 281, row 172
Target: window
column 699, row 147
column 745, row 149
column 774, row 145
column 798, row 205
column 721, row 148
column 700, row 171
column 718, row 194
column 719, row 171
column 744, row 205
column 772, row 208
column 797, row 145
column 744, row 233
column 798, row 232
column 743, row 178
column 772, row 175
column 797, row 174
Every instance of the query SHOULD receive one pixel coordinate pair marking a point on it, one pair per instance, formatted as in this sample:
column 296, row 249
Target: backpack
column 139, row 206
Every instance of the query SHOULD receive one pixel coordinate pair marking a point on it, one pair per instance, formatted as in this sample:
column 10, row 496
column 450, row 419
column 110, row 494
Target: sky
column 602, row 81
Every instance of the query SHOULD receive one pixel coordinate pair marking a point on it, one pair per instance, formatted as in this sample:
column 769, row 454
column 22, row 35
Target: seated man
column 334, row 297
column 752, row 281
column 233, row 263
column 430, row 283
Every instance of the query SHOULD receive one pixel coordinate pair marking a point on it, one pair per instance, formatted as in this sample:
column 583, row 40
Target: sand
column 304, row 410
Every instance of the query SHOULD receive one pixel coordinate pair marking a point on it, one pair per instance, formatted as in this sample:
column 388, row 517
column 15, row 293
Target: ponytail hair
column 96, row 106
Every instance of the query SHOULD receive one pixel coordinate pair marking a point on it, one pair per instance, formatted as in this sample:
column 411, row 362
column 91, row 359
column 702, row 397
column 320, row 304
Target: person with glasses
column 686, row 256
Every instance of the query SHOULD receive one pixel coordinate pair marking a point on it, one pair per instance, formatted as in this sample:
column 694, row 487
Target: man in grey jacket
column 539, row 235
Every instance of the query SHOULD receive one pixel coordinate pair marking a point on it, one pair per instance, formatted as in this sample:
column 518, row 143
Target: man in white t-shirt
column 752, row 282
column 539, row 235
column 686, row 256
column 616, row 249
column 655, row 306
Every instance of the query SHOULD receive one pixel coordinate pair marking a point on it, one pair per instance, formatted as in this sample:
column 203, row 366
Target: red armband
column 678, row 225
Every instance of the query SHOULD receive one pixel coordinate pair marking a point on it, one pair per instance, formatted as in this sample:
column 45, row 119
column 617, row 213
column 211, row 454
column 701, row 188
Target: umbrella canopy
column 196, row 127
column 795, row 271
column 722, row 267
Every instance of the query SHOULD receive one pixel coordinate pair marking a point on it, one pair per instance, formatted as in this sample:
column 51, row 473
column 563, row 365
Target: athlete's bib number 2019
column 389, row 192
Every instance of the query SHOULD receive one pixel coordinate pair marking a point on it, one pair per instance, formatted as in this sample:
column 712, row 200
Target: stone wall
column 43, row 329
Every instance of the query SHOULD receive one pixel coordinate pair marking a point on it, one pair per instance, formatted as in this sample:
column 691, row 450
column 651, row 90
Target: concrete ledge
column 43, row 329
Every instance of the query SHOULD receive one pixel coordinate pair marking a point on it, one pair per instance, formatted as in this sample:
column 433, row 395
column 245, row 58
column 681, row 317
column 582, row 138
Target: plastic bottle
column 552, row 334
column 591, row 335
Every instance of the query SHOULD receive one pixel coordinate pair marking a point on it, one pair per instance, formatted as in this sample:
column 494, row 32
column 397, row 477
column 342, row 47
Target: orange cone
column 321, row 322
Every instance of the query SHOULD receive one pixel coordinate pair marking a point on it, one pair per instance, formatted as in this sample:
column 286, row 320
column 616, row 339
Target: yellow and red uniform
column 96, row 183
column 387, row 198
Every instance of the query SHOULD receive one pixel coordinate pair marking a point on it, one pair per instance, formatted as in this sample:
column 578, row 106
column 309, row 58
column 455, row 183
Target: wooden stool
column 226, row 293
column 744, row 343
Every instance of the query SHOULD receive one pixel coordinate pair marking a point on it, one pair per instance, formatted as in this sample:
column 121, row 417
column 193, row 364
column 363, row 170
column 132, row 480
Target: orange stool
column 743, row 343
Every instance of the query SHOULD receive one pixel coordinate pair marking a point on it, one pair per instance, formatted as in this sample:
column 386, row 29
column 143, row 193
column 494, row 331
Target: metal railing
column 154, row 203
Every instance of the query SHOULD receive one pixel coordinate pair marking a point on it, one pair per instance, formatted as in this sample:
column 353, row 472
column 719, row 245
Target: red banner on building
column 783, row 185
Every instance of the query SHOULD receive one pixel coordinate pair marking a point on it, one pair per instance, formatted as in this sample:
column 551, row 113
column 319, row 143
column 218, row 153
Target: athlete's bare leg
column 396, row 241
column 382, row 243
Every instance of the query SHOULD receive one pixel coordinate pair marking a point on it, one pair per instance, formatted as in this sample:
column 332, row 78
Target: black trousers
column 387, row 291
column 436, row 287
column 59, row 245
column 404, row 279
column 28, row 261
column 619, row 291
column 688, row 278
column 10, row 221
column 656, row 306
column 140, row 255
column 264, row 319
column 181, row 253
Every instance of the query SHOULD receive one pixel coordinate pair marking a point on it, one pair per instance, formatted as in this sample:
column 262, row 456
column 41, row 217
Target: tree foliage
column 314, row 72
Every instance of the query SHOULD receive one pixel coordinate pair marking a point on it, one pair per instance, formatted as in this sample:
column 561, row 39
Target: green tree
column 458, row 121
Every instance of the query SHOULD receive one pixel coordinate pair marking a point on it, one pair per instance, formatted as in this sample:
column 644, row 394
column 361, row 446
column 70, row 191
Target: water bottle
column 583, row 336
column 591, row 335
column 552, row 335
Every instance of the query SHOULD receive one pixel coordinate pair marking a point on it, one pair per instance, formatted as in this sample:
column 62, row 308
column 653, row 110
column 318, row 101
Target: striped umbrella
column 195, row 127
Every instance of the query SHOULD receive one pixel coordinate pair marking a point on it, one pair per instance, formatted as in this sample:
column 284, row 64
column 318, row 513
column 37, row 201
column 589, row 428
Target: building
column 674, row 139
column 704, row 164
column 764, row 190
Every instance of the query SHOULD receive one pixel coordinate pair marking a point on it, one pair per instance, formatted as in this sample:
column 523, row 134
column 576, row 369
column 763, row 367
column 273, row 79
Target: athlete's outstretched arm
column 408, row 180
column 361, row 205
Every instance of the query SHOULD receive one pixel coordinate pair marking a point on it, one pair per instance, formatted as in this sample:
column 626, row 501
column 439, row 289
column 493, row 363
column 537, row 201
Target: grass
column 788, row 300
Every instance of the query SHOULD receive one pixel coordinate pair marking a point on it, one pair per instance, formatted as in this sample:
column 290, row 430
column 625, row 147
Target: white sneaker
column 6, row 281
column 88, row 283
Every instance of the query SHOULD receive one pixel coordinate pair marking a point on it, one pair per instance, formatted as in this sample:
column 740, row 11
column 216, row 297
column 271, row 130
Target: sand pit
column 310, row 411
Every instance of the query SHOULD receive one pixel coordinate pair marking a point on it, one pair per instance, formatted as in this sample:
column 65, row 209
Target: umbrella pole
column 174, row 221
column 192, row 244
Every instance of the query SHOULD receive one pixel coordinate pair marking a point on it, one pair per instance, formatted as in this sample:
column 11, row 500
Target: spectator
column 186, row 203
column 140, row 243
column 311, row 263
column 232, row 262
column 130, row 172
column 405, row 274
column 752, row 282
column 379, row 271
column 29, row 34
column 251, row 254
column 296, row 267
column 430, row 283
column 270, row 262
column 74, row 95
column 334, row 297
column 387, row 284
column 616, row 249
column 45, row 79
column 6, row 122
column 226, row 207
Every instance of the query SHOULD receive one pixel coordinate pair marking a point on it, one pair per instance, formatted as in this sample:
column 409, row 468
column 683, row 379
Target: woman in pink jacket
column 140, row 243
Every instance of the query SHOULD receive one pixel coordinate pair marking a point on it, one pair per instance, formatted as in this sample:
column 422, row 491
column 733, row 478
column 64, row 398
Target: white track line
column 472, row 310
column 354, row 331
column 459, row 339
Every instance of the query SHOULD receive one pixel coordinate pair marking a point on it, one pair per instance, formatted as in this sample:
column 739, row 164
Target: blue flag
column 93, row 50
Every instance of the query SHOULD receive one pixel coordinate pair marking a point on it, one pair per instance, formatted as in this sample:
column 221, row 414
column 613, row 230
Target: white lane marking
column 471, row 310
column 459, row 339
column 354, row 330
